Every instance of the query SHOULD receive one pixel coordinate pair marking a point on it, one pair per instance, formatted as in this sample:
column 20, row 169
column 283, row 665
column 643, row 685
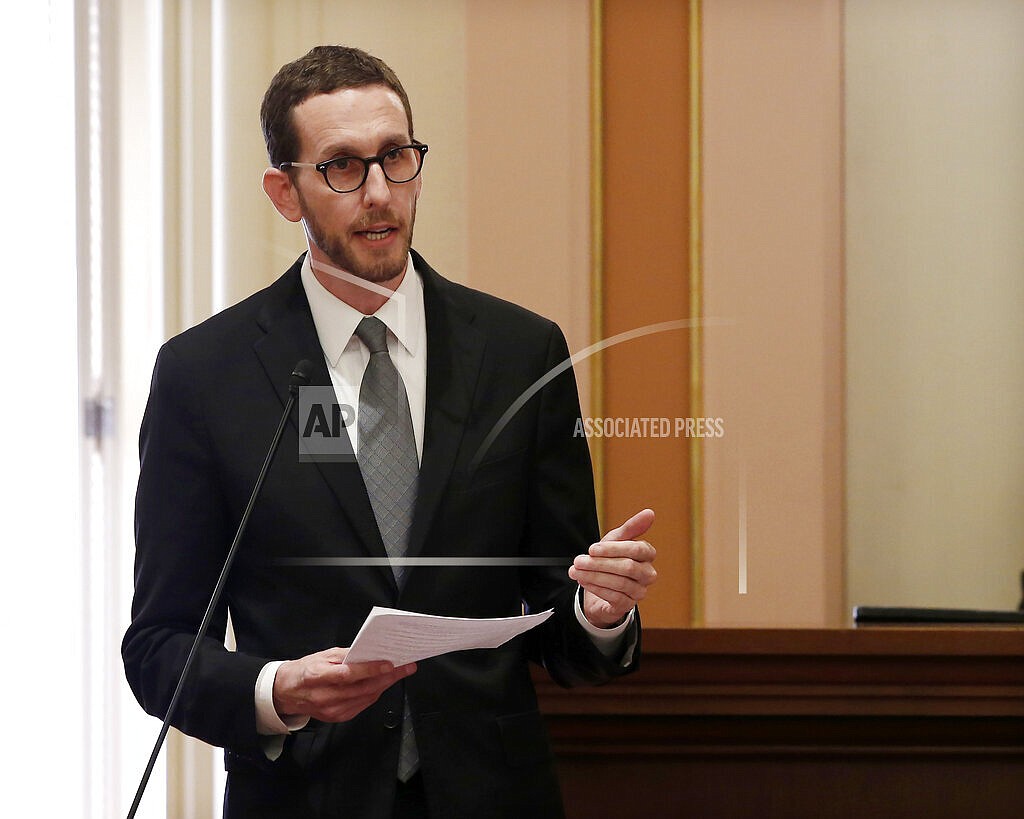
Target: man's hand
column 321, row 687
column 616, row 573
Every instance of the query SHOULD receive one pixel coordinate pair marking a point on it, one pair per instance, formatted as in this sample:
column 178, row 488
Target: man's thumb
column 632, row 528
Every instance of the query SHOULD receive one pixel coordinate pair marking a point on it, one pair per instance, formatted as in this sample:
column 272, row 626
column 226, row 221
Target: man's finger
column 640, row 571
column 639, row 550
column 336, row 656
column 595, row 581
column 375, row 672
column 361, row 671
column 632, row 528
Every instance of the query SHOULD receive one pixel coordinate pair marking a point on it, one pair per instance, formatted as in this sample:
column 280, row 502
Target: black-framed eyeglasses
column 345, row 174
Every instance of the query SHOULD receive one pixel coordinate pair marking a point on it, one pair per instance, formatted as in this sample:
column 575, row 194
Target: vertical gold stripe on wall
column 696, row 311
column 597, row 241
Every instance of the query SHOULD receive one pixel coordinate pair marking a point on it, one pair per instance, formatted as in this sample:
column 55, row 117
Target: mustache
column 375, row 217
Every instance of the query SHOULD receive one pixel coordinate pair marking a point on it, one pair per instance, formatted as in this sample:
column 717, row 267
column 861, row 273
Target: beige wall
column 528, row 127
column 935, row 268
column 931, row 191
column 772, row 262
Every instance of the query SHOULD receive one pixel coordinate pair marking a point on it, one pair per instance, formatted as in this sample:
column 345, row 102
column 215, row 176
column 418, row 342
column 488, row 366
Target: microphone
column 300, row 376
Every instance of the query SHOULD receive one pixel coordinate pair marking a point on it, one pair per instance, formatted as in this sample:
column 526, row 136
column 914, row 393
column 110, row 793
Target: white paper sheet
column 402, row 637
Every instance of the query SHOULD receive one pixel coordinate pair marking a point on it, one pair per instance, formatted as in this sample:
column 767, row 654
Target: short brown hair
column 323, row 70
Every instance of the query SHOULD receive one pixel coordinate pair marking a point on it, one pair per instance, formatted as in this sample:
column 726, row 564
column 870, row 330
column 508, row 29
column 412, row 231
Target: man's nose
column 376, row 189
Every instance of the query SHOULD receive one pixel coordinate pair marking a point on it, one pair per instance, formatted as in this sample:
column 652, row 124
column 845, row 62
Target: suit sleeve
column 182, row 536
column 562, row 521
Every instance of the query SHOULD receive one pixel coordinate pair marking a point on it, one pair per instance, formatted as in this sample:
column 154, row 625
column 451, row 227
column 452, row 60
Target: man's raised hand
column 616, row 573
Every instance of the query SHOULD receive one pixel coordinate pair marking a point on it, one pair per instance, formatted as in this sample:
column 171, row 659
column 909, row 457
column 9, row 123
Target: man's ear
column 279, row 188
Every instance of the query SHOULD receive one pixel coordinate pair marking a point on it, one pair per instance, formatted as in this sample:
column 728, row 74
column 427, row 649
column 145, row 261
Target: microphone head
column 301, row 373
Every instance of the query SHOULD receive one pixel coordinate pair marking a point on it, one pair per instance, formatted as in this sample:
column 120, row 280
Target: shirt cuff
column 268, row 721
column 611, row 642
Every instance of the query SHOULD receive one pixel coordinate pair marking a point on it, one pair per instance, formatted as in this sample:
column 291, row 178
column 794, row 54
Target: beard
column 363, row 265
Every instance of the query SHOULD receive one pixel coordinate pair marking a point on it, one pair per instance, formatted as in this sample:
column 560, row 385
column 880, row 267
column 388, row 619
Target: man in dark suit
column 306, row 735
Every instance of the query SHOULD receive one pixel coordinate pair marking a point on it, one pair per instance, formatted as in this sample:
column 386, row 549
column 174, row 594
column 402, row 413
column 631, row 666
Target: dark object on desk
column 891, row 615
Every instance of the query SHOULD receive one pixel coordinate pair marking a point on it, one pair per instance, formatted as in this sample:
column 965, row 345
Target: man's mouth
column 377, row 235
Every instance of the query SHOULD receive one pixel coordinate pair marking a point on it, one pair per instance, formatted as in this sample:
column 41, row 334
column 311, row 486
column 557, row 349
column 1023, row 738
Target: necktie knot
column 373, row 333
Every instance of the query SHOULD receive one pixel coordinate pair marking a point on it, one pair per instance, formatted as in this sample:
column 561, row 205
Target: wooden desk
column 879, row 722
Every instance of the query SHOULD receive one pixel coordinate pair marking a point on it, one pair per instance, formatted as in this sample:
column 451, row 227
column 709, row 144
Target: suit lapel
column 290, row 336
column 454, row 353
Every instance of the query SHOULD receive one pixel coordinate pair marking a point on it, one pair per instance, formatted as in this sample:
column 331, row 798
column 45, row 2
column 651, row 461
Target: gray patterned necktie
column 390, row 466
column 387, row 448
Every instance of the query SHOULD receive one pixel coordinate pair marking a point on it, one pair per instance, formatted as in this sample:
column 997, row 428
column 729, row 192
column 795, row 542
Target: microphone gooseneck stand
column 300, row 376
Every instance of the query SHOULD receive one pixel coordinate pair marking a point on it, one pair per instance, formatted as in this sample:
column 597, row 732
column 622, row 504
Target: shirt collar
column 336, row 321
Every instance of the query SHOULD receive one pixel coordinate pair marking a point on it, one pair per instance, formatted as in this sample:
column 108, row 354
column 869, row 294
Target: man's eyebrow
column 345, row 149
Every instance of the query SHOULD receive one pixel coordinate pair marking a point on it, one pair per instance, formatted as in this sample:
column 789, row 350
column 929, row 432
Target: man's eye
column 342, row 164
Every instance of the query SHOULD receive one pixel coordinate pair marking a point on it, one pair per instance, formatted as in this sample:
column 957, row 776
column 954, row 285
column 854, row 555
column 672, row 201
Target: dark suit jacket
column 217, row 392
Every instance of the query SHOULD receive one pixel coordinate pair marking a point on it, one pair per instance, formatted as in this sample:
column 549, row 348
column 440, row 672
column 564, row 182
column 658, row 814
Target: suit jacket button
column 392, row 718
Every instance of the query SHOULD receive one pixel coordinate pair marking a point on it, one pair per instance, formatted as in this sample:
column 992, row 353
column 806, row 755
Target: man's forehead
column 364, row 113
